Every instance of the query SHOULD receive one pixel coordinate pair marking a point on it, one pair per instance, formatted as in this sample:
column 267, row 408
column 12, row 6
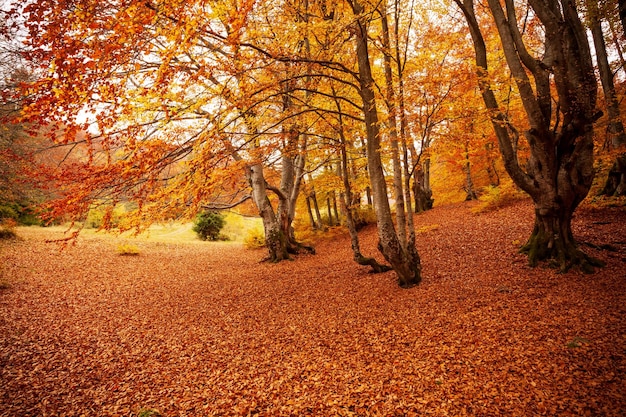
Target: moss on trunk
column 552, row 241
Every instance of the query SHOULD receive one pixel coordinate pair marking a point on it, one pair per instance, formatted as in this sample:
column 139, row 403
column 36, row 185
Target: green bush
column 8, row 212
column 208, row 225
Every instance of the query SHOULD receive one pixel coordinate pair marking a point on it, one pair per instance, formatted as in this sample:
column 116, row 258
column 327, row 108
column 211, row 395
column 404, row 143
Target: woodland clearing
column 207, row 329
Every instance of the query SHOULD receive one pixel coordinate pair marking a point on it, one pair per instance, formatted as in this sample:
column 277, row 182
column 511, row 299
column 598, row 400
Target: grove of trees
column 173, row 107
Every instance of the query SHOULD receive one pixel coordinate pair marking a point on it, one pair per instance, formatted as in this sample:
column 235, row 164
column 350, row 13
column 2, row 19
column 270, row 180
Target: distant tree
column 616, row 136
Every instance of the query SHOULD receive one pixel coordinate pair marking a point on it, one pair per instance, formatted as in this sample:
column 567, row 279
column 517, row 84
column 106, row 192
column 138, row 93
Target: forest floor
column 207, row 329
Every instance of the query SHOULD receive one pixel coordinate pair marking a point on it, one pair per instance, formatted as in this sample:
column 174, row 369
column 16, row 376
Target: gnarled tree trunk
column 559, row 172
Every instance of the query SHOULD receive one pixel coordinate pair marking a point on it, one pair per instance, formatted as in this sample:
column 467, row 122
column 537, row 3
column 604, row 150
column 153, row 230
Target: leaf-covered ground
column 206, row 329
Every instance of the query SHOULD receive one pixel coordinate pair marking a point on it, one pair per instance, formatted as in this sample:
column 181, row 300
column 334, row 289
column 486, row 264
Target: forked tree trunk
column 347, row 200
column 405, row 263
column 275, row 239
column 559, row 172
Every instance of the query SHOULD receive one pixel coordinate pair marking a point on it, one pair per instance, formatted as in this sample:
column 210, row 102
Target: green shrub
column 208, row 225
column 8, row 212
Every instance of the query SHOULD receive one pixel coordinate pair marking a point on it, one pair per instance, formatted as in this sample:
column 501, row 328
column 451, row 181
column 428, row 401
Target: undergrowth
column 496, row 197
column 126, row 249
column 254, row 239
column 7, row 229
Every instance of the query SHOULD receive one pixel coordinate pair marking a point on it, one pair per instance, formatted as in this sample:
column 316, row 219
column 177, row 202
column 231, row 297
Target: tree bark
column 559, row 172
column 616, row 136
column 406, row 264
column 470, row 193
column 552, row 239
column 275, row 239
column 398, row 185
column 622, row 14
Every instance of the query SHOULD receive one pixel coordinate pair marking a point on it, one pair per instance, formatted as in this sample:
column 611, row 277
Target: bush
column 255, row 239
column 493, row 198
column 208, row 225
column 126, row 249
column 8, row 212
column 363, row 216
column 7, row 229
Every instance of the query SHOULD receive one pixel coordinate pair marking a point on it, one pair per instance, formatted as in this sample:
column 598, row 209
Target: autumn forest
column 419, row 207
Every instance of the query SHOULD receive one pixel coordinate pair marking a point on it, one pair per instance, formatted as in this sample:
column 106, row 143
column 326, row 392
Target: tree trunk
column 616, row 137
column 275, row 239
column 423, row 197
column 310, row 211
column 394, row 138
column 552, row 240
column 622, row 14
column 347, row 200
column 559, row 171
column 406, row 266
column 469, row 183
column 334, row 199
column 331, row 222
column 316, row 209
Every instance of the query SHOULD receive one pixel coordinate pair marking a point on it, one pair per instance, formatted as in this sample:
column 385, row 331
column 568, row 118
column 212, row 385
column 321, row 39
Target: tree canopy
column 172, row 107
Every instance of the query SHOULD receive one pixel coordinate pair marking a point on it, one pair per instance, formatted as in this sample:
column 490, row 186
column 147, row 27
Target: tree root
column 296, row 248
column 373, row 263
column 559, row 255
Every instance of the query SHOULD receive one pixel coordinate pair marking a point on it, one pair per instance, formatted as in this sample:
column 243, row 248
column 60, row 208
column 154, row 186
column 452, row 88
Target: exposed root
column 558, row 254
column 296, row 248
column 373, row 263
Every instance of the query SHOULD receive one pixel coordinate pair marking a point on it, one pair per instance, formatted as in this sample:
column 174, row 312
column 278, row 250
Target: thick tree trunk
column 559, row 172
column 275, row 239
column 552, row 240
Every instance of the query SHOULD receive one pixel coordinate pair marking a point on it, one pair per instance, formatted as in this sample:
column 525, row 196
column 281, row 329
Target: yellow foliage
column 126, row 249
column 427, row 228
column 494, row 198
column 255, row 238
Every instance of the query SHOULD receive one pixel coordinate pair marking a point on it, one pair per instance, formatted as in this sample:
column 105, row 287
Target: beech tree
column 403, row 258
column 616, row 136
column 558, row 90
column 179, row 105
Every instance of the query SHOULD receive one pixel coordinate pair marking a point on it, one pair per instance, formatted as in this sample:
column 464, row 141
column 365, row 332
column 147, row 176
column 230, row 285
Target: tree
column 208, row 225
column 616, row 136
column 559, row 172
column 180, row 107
column 403, row 259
